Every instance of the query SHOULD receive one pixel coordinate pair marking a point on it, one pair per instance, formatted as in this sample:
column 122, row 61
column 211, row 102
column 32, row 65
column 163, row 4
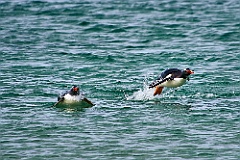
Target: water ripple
column 113, row 50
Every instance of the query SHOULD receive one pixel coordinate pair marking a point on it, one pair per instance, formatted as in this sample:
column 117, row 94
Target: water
column 113, row 49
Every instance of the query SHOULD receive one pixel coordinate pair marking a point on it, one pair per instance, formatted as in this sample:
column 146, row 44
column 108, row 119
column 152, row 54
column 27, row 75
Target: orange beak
column 190, row 71
column 75, row 89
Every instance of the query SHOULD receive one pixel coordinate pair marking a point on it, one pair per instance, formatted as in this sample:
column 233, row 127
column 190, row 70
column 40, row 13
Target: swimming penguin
column 72, row 96
column 171, row 78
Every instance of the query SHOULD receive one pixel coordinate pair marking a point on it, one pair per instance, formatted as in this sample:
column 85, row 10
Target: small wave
column 118, row 30
column 204, row 95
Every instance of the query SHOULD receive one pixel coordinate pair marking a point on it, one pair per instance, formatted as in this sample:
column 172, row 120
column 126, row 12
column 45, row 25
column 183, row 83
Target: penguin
column 72, row 96
column 171, row 78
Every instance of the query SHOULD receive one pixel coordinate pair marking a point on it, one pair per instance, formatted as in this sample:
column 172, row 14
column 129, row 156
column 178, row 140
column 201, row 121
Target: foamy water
column 142, row 94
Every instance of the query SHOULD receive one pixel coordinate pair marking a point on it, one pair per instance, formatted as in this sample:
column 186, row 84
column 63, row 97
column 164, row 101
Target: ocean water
column 113, row 49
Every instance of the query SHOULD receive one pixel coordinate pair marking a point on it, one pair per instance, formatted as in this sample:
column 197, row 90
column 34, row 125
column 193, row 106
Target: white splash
column 143, row 94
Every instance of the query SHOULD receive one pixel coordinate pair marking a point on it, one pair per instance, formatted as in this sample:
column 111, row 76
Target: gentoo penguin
column 72, row 96
column 171, row 78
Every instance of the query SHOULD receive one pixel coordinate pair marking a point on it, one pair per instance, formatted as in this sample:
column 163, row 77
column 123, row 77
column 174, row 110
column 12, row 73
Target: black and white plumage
column 171, row 78
column 72, row 96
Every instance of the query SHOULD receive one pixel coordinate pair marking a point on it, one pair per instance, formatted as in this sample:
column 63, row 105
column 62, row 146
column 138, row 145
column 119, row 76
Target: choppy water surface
column 113, row 49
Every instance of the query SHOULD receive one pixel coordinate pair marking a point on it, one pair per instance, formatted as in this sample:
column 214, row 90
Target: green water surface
column 112, row 49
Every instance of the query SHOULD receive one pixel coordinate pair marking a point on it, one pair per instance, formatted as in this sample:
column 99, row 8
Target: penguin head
column 74, row 91
column 188, row 71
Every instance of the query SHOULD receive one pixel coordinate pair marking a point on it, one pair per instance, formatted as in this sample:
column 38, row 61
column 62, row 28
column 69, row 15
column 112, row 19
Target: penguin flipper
column 60, row 99
column 89, row 102
column 157, row 82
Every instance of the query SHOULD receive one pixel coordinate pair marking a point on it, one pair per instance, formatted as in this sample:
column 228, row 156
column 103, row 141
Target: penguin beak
column 75, row 89
column 190, row 71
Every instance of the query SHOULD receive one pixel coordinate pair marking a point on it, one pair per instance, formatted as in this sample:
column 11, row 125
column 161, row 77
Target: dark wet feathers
column 174, row 72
